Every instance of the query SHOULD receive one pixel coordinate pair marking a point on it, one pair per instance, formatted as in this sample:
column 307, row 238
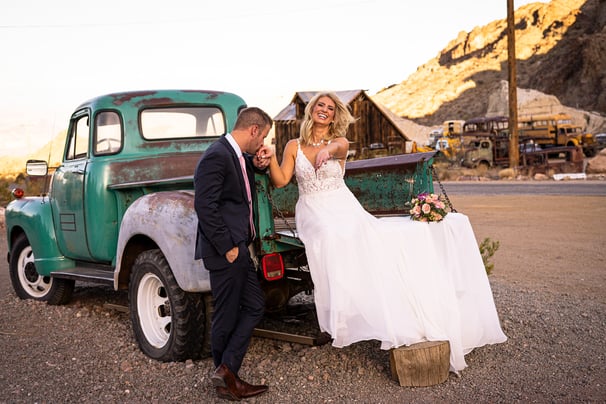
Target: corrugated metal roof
column 287, row 114
column 346, row 96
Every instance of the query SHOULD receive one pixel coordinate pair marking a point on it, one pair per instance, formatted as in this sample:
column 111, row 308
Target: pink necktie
column 248, row 195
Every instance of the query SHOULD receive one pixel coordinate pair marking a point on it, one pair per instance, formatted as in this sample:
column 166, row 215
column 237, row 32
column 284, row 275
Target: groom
column 224, row 185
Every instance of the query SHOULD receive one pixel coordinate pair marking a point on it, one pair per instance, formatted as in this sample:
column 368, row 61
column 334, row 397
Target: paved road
column 586, row 188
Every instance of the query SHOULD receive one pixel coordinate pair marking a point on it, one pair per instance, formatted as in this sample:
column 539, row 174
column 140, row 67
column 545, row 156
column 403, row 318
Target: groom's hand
column 232, row 254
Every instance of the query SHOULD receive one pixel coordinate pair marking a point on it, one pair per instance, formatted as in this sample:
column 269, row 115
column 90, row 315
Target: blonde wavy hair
column 339, row 125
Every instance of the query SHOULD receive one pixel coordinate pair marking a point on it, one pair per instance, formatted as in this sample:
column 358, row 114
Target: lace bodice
column 310, row 180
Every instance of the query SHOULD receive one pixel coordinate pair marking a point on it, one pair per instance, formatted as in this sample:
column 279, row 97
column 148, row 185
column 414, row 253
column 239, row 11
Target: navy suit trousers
column 239, row 305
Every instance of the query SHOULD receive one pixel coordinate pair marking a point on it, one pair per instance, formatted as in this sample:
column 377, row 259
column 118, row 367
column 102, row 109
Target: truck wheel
column 29, row 284
column 483, row 167
column 169, row 324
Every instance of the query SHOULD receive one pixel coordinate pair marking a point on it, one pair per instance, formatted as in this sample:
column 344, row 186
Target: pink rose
column 426, row 208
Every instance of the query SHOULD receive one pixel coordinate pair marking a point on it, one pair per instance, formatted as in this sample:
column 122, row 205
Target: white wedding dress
column 394, row 280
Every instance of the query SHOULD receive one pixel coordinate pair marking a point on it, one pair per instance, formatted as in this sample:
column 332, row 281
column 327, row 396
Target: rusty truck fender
column 165, row 220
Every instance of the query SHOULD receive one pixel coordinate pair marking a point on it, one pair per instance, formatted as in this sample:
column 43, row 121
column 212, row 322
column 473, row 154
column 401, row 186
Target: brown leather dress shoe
column 224, row 381
column 246, row 390
column 223, row 377
column 226, row 394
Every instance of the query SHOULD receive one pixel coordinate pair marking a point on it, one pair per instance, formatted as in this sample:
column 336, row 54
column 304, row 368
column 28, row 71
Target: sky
column 57, row 54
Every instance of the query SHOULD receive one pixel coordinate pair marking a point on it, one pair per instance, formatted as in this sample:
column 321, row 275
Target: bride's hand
column 263, row 157
column 322, row 157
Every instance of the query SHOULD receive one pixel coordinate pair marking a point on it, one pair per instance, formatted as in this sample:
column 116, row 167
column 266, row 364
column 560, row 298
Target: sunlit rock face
column 561, row 62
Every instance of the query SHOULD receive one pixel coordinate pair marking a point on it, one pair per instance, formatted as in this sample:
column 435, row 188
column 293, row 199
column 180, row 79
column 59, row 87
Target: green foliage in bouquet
column 428, row 207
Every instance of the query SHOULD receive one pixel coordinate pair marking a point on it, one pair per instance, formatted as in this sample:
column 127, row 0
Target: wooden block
column 422, row 364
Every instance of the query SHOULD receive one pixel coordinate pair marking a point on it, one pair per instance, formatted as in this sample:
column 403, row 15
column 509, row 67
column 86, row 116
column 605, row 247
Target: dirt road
column 555, row 243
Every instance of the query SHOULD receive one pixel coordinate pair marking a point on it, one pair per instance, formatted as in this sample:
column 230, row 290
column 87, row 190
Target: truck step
column 88, row 274
column 320, row 339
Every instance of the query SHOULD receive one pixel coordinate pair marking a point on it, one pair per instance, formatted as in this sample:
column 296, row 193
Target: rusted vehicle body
column 556, row 130
column 488, row 152
column 120, row 211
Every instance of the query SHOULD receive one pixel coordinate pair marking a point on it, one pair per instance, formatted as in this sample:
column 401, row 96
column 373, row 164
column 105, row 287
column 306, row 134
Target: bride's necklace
column 320, row 143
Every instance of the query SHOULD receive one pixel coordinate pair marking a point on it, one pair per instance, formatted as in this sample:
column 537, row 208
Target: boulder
column 507, row 174
column 597, row 165
column 540, row 177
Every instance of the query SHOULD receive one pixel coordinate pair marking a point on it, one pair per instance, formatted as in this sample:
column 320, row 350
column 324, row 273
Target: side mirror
column 36, row 168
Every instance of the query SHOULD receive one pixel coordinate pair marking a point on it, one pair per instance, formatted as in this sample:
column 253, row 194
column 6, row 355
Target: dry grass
column 8, row 182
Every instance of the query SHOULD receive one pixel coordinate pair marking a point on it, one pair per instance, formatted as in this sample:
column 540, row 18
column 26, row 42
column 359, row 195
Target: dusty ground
column 549, row 284
column 554, row 243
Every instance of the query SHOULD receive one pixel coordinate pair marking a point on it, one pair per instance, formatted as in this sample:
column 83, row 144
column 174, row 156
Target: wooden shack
column 375, row 133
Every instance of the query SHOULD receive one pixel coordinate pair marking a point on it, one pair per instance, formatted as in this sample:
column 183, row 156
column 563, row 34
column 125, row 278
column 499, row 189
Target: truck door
column 67, row 193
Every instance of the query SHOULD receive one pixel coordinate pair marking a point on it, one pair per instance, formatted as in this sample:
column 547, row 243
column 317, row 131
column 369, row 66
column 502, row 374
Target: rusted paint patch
column 121, row 98
column 154, row 168
column 169, row 219
column 173, row 199
column 383, row 185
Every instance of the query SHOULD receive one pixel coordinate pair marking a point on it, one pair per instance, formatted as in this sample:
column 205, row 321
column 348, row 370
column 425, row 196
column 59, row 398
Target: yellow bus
column 555, row 130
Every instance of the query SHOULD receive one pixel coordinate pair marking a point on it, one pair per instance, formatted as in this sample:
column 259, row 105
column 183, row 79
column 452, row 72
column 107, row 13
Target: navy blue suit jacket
column 221, row 203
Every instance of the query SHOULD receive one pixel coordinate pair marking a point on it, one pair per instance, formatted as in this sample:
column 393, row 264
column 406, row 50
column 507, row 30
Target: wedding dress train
column 393, row 280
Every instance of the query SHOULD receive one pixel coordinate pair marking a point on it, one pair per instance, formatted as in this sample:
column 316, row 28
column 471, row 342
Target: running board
column 87, row 274
column 321, row 339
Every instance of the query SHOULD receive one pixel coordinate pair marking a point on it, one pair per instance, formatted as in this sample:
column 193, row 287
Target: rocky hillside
column 561, row 52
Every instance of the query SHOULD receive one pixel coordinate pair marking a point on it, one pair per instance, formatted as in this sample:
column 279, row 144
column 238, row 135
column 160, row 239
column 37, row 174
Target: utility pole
column 514, row 153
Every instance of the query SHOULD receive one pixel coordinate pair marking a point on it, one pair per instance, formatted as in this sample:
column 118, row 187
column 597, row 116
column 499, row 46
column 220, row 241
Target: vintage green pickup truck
column 119, row 211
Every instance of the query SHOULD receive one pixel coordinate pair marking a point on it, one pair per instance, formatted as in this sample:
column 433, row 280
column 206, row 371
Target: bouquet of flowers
column 428, row 208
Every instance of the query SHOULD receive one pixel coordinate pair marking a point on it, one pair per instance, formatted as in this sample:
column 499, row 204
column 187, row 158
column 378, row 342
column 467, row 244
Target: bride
column 394, row 280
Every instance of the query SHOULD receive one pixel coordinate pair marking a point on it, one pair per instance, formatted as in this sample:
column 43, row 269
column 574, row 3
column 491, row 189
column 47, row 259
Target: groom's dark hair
column 252, row 116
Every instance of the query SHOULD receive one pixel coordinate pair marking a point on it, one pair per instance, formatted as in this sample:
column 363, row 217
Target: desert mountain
column 561, row 67
column 51, row 152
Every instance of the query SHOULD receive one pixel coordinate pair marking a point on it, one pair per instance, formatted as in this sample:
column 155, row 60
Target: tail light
column 18, row 193
column 273, row 267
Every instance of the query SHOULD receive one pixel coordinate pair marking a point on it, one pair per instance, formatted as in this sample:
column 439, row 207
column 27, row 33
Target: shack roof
column 289, row 112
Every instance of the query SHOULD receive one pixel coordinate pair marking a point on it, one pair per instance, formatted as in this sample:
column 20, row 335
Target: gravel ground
column 548, row 283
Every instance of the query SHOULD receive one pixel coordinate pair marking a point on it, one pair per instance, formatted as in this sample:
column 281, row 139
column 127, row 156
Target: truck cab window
column 78, row 139
column 181, row 122
column 108, row 133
